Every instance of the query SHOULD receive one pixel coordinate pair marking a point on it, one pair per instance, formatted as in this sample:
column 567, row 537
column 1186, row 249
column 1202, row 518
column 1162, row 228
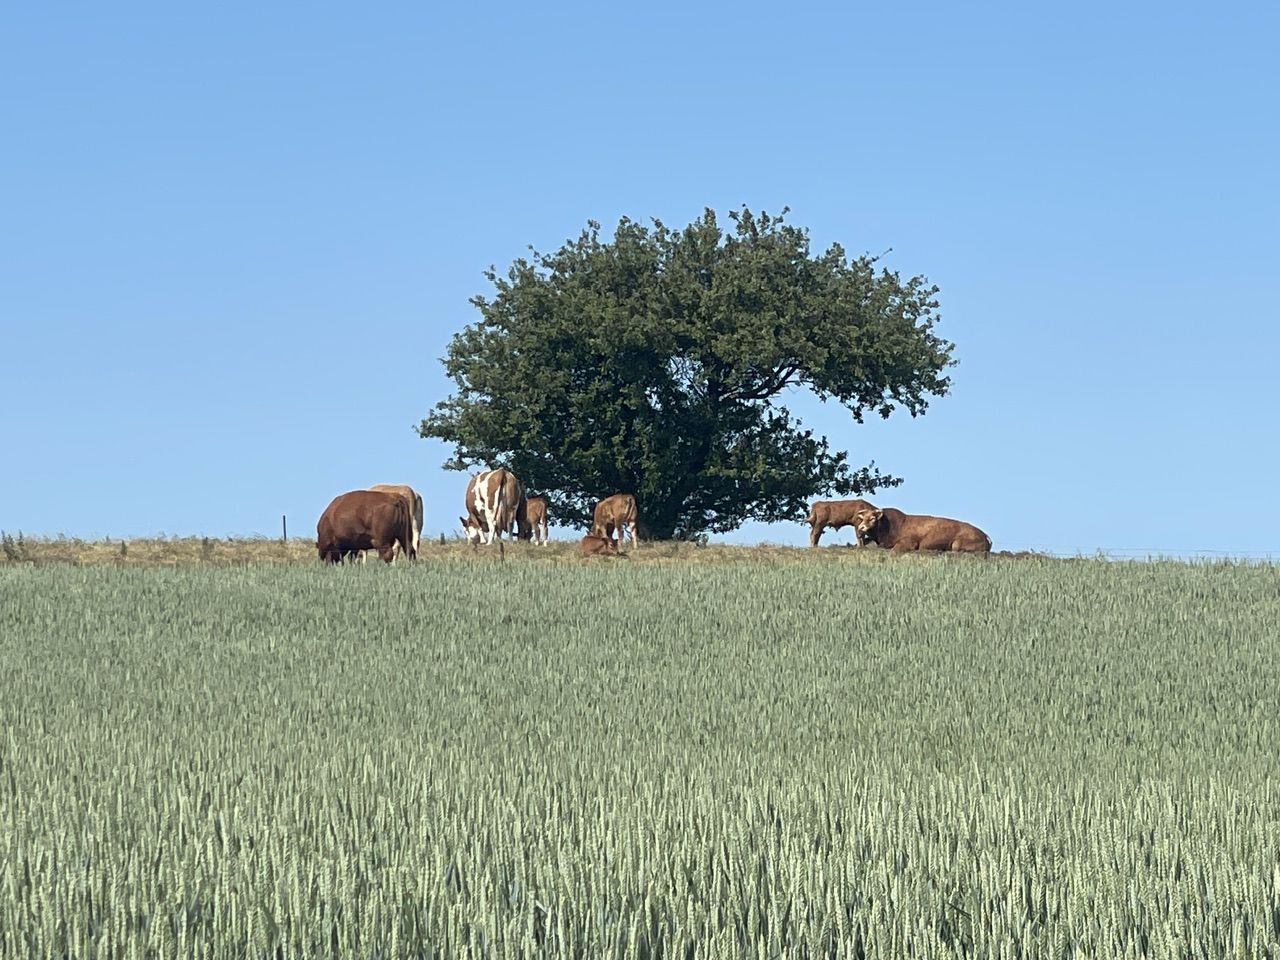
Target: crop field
column 786, row 753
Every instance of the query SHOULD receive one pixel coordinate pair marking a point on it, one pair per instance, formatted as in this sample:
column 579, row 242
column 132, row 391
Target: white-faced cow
column 494, row 502
column 365, row 520
column 536, row 516
column 617, row 512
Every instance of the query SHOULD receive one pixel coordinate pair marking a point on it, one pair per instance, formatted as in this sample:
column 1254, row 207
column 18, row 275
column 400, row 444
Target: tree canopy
column 657, row 363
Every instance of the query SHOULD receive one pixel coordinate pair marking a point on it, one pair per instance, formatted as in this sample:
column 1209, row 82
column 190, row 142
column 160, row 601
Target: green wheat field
column 781, row 753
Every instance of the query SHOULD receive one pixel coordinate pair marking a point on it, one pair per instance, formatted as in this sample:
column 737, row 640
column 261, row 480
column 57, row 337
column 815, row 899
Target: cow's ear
column 879, row 514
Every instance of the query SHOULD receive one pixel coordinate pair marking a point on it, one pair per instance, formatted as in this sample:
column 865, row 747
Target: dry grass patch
column 162, row 551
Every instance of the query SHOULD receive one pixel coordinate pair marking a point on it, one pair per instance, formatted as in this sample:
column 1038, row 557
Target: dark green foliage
column 656, row 363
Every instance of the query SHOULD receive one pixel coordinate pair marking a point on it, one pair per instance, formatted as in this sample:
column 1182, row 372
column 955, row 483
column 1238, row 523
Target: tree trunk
column 656, row 527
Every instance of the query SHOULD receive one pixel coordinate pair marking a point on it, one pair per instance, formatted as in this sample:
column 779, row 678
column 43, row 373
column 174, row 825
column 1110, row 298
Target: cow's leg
column 388, row 552
column 635, row 540
column 815, row 533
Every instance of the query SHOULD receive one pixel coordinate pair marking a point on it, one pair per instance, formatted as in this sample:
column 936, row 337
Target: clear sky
column 235, row 240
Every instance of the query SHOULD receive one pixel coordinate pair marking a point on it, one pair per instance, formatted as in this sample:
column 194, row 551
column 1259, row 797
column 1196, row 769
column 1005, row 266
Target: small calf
column 594, row 545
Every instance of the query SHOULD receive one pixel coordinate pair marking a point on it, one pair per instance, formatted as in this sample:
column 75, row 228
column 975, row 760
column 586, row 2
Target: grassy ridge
column 233, row 551
column 237, row 551
column 872, row 756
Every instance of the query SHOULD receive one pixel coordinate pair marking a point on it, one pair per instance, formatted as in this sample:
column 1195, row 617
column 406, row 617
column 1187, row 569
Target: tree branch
column 781, row 378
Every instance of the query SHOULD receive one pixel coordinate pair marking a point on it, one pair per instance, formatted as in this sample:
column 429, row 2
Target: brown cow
column 835, row 514
column 415, row 504
column 594, row 545
column 901, row 532
column 365, row 520
column 414, row 499
column 494, row 501
column 535, row 526
column 617, row 512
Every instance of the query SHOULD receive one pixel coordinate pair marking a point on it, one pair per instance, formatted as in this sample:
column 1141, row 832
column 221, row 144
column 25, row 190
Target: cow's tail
column 406, row 528
column 499, row 520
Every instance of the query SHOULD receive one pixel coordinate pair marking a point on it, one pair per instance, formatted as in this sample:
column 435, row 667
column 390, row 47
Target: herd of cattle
column 388, row 517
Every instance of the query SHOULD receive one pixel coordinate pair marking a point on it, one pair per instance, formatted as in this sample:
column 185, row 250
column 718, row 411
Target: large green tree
column 658, row 362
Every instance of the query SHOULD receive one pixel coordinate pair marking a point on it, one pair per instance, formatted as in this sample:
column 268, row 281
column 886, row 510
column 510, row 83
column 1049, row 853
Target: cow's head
column 866, row 521
column 472, row 530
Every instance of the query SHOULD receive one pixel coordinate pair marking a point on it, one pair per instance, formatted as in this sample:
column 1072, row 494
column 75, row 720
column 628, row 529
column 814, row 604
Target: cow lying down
column 595, row 545
column 895, row 530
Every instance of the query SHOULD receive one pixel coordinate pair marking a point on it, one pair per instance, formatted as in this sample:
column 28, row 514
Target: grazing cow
column 494, row 502
column 415, row 502
column 901, row 532
column 365, row 520
column 835, row 514
column 594, row 545
column 535, row 527
column 617, row 512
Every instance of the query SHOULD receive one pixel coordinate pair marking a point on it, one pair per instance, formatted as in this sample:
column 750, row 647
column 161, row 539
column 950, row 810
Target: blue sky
column 235, row 241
